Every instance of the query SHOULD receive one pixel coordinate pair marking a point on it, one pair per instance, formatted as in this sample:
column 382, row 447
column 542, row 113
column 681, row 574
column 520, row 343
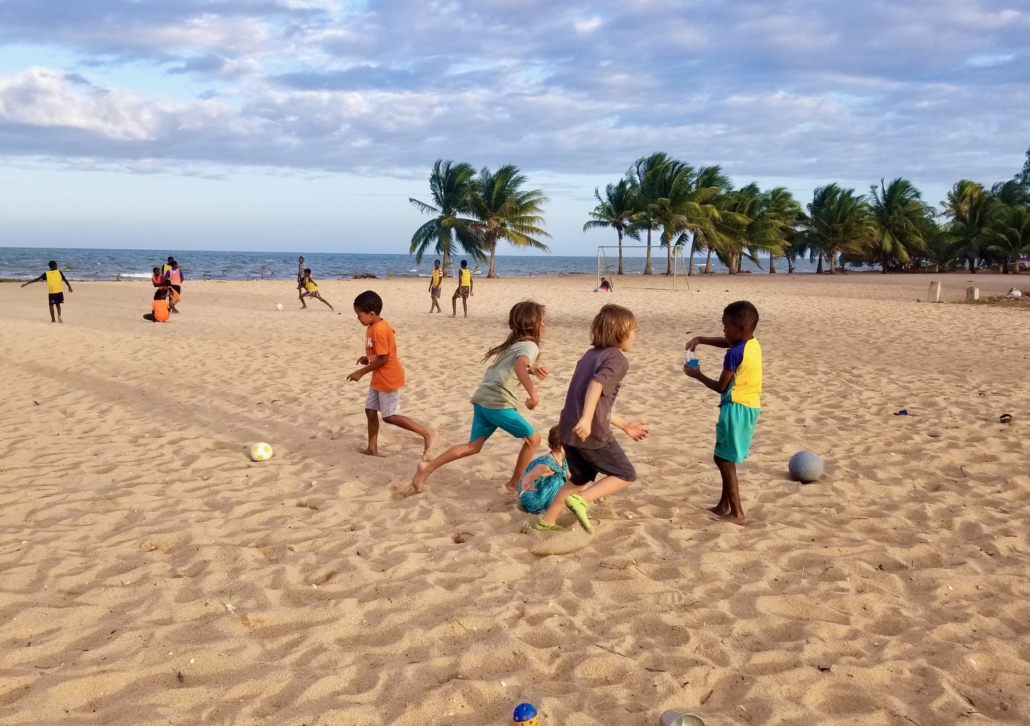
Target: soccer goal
column 634, row 263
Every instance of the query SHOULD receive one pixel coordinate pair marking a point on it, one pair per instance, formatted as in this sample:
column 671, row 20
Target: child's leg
column 465, row 305
column 729, row 507
column 558, row 503
column 150, row 317
column 52, row 318
column 403, row 422
column 452, row 454
column 589, row 493
column 58, row 306
column 529, row 446
column 373, row 432
column 325, row 301
column 454, row 304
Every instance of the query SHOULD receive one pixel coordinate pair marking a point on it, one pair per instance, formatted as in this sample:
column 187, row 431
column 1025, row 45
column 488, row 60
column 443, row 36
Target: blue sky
column 306, row 124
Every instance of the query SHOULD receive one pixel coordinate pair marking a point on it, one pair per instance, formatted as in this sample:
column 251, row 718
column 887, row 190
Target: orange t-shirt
column 379, row 340
column 160, row 308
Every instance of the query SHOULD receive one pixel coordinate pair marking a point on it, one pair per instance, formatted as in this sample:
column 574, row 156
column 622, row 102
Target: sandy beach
column 151, row 574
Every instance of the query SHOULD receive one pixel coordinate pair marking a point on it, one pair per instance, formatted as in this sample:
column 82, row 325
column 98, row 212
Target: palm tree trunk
column 708, row 262
column 647, row 265
column 731, row 264
column 446, row 263
column 620, row 250
column 832, row 259
column 819, row 269
column 493, row 254
column 772, row 264
column 693, row 243
column 668, row 253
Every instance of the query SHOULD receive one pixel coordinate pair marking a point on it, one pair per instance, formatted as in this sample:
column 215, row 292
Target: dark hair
column 170, row 258
column 157, row 270
column 161, row 294
column 554, row 438
column 464, row 263
column 175, row 265
column 53, row 264
column 742, row 313
column 612, row 326
column 307, row 270
column 526, row 321
column 369, row 302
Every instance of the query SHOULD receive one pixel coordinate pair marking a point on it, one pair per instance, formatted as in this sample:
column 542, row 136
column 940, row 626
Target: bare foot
column 511, row 486
column 430, row 439
column 369, row 451
column 452, row 316
column 720, row 510
column 419, row 480
column 734, row 519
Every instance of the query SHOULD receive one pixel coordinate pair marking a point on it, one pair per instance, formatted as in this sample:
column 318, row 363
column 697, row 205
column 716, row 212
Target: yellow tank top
column 436, row 278
column 310, row 286
column 53, row 281
column 466, row 277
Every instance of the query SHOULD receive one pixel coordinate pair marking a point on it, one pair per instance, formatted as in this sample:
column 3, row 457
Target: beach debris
column 934, row 295
column 972, row 294
column 279, row 307
column 364, row 276
column 1006, row 418
column 902, row 412
column 675, row 718
column 1014, row 294
column 230, row 607
column 462, row 537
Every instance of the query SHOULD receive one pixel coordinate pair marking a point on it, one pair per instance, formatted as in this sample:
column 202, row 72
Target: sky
column 305, row 125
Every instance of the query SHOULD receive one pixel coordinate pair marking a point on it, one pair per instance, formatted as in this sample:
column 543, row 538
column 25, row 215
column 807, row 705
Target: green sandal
column 542, row 526
column 578, row 506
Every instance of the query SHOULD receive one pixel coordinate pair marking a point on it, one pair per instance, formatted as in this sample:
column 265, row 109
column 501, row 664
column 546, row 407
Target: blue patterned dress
column 544, row 488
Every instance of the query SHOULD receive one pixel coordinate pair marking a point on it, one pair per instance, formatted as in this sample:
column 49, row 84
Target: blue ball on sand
column 805, row 467
column 525, row 715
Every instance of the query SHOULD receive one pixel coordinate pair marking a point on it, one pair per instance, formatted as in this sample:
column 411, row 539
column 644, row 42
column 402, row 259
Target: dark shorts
column 56, row 298
column 177, row 288
column 435, row 292
column 462, row 292
column 609, row 460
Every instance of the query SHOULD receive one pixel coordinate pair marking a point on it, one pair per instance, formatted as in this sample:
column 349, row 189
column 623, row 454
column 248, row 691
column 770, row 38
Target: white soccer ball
column 279, row 307
column 260, row 452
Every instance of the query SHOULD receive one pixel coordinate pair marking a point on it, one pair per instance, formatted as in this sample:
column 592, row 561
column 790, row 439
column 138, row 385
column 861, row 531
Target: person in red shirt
column 381, row 361
column 159, row 308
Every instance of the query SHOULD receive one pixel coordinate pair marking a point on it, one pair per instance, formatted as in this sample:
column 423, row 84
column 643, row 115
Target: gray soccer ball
column 805, row 467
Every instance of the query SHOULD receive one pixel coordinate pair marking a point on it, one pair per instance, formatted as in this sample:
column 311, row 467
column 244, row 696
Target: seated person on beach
column 605, row 286
column 544, row 476
column 159, row 308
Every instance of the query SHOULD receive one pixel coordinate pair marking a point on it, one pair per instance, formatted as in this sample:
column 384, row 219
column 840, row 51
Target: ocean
column 24, row 263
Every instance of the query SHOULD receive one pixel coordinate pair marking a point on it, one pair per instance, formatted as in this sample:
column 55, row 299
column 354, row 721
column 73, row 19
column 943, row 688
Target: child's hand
column 692, row 372
column 363, row 360
column 539, row 371
column 582, row 429
column 693, row 343
column 533, row 401
column 636, row 430
column 355, row 376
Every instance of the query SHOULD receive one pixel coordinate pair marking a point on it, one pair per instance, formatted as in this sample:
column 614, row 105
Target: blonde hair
column 611, row 326
column 526, row 321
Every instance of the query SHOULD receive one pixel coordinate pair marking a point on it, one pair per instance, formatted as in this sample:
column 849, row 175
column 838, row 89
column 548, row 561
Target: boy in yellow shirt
column 54, row 279
column 464, row 289
column 435, row 287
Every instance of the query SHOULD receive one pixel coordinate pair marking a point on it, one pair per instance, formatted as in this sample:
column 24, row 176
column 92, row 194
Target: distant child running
column 54, row 279
column 435, row 288
column 464, row 290
column 175, row 278
column 544, row 476
column 311, row 290
column 159, row 308
column 586, row 420
column 494, row 402
column 740, row 384
column 300, row 280
column 380, row 359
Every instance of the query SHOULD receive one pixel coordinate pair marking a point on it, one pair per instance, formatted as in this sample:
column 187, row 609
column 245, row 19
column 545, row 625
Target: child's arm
column 719, row 386
column 38, row 279
column 714, row 342
column 379, row 362
column 472, row 284
column 636, row 430
column 522, row 373
column 582, row 427
column 67, row 283
column 533, row 474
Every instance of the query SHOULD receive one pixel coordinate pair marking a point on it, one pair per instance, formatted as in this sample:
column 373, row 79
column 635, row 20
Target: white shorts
column 388, row 403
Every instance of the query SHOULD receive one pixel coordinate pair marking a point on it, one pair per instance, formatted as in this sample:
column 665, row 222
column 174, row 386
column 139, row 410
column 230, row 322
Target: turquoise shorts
column 487, row 420
column 734, row 431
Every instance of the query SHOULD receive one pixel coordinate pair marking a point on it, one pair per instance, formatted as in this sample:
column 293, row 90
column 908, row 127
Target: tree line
column 671, row 204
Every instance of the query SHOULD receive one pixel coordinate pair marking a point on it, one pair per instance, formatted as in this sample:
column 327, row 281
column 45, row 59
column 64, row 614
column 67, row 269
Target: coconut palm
column 760, row 231
column 710, row 236
column 837, row 221
column 972, row 210
column 615, row 210
column 504, row 210
column 643, row 179
column 783, row 211
column 899, row 219
column 450, row 186
column 1010, row 235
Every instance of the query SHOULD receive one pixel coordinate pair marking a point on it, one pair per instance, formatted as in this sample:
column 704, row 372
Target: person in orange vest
column 55, row 280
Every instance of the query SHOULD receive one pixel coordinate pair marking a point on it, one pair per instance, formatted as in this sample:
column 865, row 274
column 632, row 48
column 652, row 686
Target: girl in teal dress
column 544, row 476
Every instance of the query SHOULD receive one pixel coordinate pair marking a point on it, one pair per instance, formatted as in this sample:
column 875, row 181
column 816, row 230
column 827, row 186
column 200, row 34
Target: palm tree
column 941, row 248
column 972, row 210
column 709, row 236
column 505, row 210
column 837, row 221
column 642, row 178
column 450, row 185
column 615, row 211
column 783, row 211
column 899, row 218
column 1011, row 236
column 761, row 228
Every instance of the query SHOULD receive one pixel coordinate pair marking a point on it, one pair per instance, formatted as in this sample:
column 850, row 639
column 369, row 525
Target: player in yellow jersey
column 435, row 288
column 54, row 279
column 311, row 290
column 464, row 290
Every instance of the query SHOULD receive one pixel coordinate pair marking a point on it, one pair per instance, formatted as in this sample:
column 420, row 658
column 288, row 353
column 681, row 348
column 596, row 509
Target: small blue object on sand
column 902, row 412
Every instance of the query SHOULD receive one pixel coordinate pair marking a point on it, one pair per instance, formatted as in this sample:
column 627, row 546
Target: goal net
column 666, row 273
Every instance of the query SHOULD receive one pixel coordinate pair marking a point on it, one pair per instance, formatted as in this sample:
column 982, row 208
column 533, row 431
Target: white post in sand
column 935, row 292
column 972, row 294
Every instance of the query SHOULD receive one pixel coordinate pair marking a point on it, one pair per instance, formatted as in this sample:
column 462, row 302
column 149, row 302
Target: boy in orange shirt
column 381, row 361
column 159, row 308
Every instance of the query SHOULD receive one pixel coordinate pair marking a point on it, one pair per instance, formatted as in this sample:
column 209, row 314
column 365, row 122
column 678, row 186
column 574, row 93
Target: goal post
column 634, row 259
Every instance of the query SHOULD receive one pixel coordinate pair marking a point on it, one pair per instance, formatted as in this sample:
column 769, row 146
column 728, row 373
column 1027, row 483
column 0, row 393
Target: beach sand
column 151, row 574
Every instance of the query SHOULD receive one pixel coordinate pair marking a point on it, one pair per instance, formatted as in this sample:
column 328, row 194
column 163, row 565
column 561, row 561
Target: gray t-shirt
column 607, row 366
column 499, row 382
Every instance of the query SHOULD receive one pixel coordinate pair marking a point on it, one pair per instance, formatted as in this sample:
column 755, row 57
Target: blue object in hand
column 692, row 360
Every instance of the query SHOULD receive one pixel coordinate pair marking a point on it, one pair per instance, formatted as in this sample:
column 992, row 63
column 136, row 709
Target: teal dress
column 545, row 487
